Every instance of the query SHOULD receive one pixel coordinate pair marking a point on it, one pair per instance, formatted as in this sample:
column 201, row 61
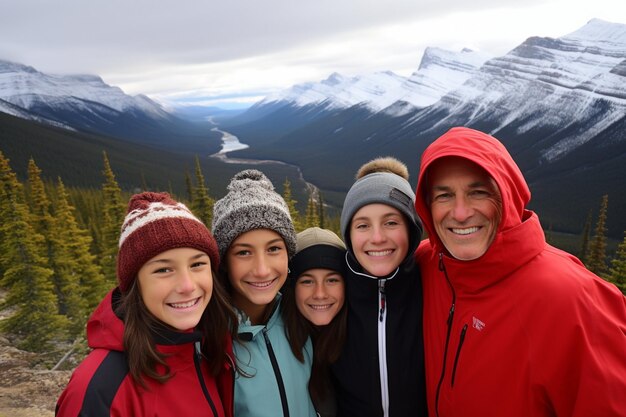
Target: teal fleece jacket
column 278, row 383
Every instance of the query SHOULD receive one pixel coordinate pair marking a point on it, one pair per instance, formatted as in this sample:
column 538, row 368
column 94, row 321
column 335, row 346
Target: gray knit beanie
column 251, row 203
column 385, row 181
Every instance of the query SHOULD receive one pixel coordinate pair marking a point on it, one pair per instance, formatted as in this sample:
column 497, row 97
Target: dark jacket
column 102, row 386
column 384, row 328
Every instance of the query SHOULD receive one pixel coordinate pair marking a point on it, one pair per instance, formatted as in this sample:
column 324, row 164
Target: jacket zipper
column 279, row 377
column 197, row 358
column 442, row 268
column 458, row 352
column 382, row 347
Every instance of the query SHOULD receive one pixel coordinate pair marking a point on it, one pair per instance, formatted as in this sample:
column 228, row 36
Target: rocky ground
column 25, row 389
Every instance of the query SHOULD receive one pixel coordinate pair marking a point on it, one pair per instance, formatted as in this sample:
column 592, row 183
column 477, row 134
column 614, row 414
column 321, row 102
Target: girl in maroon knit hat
column 160, row 340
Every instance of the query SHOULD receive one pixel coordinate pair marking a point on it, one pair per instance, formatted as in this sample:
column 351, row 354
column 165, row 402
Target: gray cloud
column 126, row 40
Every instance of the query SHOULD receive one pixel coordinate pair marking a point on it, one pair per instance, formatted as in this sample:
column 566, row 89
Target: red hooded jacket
column 102, row 386
column 524, row 330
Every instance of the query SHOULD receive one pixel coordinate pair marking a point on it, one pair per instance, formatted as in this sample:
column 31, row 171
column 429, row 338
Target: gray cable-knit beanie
column 251, row 203
column 389, row 187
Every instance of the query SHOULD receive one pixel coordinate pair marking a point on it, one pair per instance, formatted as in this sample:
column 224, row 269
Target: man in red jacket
column 512, row 326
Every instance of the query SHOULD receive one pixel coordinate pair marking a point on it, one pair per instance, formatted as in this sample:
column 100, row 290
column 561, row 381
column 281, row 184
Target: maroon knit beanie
column 156, row 223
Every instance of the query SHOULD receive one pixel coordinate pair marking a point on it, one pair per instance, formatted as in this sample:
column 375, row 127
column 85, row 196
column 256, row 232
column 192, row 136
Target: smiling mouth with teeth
column 320, row 307
column 263, row 284
column 379, row 252
column 465, row 231
column 185, row 305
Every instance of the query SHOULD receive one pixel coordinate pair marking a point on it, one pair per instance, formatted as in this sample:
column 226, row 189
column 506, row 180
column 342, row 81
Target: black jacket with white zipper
column 381, row 368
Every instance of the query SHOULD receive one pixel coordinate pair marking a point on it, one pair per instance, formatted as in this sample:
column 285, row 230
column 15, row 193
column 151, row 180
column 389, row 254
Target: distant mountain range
column 559, row 105
column 86, row 103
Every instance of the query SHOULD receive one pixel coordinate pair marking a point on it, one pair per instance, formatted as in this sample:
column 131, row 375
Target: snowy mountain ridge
column 438, row 73
column 26, row 87
column 545, row 82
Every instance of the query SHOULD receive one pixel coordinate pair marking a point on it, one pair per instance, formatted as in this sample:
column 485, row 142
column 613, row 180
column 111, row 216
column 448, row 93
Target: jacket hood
column 104, row 328
column 490, row 154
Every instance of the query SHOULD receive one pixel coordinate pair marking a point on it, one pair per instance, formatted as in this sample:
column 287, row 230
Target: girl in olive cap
column 314, row 308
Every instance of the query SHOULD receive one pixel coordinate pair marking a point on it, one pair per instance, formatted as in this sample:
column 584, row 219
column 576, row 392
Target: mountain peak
column 598, row 30
column 8, row 66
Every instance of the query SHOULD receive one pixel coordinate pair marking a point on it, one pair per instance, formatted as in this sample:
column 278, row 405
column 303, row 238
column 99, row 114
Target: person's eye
column 163, row 270
column 243, row 252
column 480, row 193
column 334, row 280
column 305, row 281
column 275, row 249
column 360, row 226
column 199, row 264
column 442, row 197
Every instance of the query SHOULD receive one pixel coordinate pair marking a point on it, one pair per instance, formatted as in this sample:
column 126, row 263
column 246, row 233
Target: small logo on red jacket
column 477, row 323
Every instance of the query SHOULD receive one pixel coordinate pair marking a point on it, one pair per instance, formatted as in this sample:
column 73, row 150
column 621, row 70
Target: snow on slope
column 24, row 86
column 551, row 83
column 439, row 72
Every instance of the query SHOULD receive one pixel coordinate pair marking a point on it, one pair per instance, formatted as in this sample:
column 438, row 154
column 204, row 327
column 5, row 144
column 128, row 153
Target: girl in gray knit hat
column 256, row 238
column 383, row 292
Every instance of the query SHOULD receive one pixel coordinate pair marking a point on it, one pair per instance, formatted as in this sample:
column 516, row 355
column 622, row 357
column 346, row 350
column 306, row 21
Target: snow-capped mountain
column 13, row 110
column 87, row 103
column 338, row 91
column 559, row 105
column 26, row 87
column 439, row 72
column 549, row 85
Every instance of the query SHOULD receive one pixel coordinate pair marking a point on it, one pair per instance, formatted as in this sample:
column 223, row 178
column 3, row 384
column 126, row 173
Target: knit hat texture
column 383, row 181
column 318, row 248
column 251, row 203
column 156, row 223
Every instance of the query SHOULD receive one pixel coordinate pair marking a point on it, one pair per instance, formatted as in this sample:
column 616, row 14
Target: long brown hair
column 327, row 340
column 217, row 323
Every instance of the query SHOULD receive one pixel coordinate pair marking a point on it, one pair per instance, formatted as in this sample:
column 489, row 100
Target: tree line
column 59, row 247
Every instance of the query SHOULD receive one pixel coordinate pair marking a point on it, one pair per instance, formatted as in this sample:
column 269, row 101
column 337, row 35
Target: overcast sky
column 237, row 51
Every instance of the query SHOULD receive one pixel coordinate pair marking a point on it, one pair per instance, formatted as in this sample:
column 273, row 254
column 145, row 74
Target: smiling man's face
column 465, row 204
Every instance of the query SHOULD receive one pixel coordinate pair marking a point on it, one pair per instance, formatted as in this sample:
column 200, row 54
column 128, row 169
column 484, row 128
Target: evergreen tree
column 42, row 220
column 597, row 250
column 321, row 210
column 201, row 202
column 88, row 205
column 66, row 289
column 291, row 204
column 40, row 204
column 26, row 276
column 113, row 212
column 617, row 273
column 81, row 283
column 312, row 218
column 189, row 187
column 334, row 223
column 584, row 247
